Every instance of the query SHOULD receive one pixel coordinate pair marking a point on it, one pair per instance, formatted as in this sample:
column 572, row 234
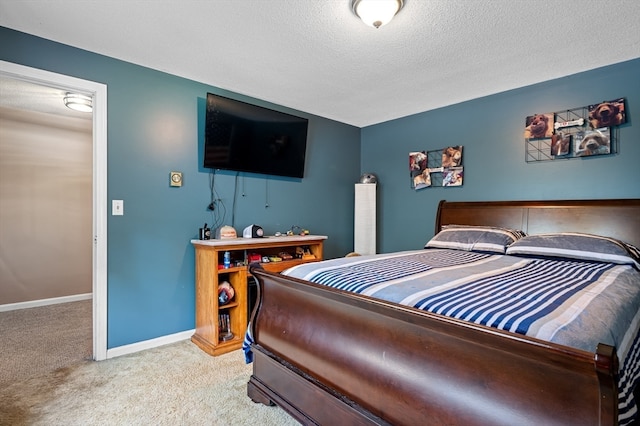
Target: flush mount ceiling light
column 376, row 13
column 78, row 102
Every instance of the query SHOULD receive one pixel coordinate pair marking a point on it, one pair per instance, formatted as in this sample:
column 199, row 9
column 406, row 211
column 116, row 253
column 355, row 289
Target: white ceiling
column 317, row 57
column 22, row 95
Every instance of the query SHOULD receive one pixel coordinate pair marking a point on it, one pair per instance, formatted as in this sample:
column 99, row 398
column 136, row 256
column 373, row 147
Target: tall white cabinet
column 364, row 238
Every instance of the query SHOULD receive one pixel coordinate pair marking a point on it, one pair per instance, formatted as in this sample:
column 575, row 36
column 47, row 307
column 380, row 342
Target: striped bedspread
column 570, row 302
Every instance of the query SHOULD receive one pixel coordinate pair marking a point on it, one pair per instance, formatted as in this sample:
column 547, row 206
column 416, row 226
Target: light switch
column 117, row 207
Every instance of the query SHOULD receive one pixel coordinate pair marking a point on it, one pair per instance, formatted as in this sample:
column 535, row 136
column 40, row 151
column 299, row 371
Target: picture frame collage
column 441, row 167
column 576, row 133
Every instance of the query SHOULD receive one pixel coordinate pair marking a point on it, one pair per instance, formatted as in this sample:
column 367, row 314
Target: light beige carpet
column 175, row 384
column 39, row 340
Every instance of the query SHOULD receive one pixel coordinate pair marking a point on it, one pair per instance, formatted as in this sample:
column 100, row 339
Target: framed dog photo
column 452, row 176
column 417, row 161
column 592, row 142
column 420, row 176
column 420, row 179
column 538, row 126
column 560, row 144
column 607, row 114
column 452, row 156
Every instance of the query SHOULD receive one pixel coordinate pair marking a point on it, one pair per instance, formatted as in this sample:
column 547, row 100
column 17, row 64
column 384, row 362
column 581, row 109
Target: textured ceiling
column 317, row 57
column 22, row 95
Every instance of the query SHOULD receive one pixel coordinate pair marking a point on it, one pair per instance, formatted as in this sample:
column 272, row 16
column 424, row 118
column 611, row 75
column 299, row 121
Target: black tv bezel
column 257, row 110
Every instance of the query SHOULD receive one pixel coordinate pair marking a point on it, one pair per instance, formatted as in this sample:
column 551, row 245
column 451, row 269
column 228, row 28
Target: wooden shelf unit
column 209, row 254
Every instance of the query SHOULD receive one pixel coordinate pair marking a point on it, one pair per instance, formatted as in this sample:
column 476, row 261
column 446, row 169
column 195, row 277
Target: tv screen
column 249, row 138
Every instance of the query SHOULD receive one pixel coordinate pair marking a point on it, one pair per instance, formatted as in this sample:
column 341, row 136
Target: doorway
column 98, row 93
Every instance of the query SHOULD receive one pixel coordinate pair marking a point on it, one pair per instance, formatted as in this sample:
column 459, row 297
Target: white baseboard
column 149, row 344
column 113, row 352
column 44, row 302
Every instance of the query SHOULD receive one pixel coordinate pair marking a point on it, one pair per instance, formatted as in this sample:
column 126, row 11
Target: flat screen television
column 249, row 138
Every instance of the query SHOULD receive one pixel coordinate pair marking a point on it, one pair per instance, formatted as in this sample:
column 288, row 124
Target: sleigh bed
column 330, row 356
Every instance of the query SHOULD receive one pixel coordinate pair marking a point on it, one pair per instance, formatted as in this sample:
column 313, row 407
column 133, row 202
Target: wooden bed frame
column 330, row 357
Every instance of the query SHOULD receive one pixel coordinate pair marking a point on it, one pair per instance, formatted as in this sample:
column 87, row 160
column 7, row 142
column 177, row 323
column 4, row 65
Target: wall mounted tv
column 249, row 138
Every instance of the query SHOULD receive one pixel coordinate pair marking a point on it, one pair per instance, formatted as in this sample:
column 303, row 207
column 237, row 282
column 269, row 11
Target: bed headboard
column 619, row 218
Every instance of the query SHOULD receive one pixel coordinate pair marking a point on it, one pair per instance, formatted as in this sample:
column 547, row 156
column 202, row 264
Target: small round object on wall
column 368, row 178
column 175, row 178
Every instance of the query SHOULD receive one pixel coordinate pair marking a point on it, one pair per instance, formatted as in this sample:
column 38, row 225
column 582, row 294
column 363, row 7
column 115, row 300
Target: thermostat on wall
column 175, row 179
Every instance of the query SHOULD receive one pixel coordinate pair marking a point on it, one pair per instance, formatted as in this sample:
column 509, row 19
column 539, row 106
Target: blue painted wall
column 155, row 125
column 491, row 131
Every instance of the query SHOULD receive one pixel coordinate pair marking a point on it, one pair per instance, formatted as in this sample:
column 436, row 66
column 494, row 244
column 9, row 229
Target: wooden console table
column 210, row 273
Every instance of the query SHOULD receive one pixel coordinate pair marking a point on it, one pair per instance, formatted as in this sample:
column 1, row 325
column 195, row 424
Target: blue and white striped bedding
column 571, row 302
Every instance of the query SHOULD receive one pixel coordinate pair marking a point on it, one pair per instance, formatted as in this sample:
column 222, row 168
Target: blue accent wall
column 491, row 131
column 156, row 125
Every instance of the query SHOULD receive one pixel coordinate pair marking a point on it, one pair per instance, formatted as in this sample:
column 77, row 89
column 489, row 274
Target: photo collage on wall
column 580, row 132
column 441, row 167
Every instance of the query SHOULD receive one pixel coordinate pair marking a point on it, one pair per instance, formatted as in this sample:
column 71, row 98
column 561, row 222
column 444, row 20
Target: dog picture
column 560, row 144
column 538, row 126
column 420, row 176
column 452, row 156
column 417, row 160
column 597, row 142
column 607, row 114
column 452, row 177
column 421, row 179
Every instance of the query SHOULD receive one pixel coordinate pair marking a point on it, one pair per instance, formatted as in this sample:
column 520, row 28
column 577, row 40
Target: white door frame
column 98, row 92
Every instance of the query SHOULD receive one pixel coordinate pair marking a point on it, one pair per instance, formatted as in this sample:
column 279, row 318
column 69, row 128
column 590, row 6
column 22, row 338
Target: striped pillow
column 475, row 238
column 573, row 245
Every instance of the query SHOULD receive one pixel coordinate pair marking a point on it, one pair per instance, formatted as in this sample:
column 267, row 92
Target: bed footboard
column 331, row 357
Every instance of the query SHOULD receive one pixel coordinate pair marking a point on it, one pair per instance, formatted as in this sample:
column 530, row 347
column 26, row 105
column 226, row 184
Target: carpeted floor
column 176, row 384
column 39, row 340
